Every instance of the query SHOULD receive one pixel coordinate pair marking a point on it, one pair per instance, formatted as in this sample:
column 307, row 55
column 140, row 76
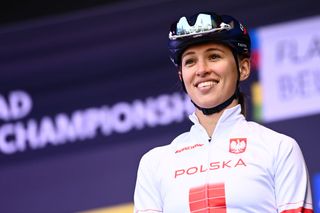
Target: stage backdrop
column 83, row 96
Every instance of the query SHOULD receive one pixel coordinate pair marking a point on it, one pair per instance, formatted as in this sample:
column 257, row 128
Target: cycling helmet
column 206, row 27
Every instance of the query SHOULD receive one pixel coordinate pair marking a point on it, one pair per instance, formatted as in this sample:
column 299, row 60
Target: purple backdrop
column 102, row 57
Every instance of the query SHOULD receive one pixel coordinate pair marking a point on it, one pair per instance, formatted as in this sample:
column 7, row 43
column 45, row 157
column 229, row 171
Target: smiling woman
column 211, row 167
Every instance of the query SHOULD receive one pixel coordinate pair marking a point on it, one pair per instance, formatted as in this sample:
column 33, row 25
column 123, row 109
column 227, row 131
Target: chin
column 207, row 104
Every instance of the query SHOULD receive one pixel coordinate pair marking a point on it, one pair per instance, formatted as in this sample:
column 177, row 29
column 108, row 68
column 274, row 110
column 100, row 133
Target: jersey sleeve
column 147, row 197
column 292, row 185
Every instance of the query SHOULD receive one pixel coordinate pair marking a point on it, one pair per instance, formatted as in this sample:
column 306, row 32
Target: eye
column 188, row 61
column 214, row 56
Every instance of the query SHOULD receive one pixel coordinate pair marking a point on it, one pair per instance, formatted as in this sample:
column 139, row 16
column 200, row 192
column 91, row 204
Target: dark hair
column 242, row 101
column 242, row 96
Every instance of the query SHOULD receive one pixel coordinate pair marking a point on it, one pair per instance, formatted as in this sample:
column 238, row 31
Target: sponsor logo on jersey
column 237, row 145
column 188, row 148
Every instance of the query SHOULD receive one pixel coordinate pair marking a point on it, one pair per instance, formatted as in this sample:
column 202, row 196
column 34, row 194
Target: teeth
column 206, row 84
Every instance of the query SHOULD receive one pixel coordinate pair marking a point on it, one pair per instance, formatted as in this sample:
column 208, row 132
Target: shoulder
column 180, row 138
column 269, row 134
column 271, row 139
column 155, row 154
column 279, row 147
column 163, row 152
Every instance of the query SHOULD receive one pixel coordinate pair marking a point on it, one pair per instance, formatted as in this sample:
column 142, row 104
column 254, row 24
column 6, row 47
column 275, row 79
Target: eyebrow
column 214, row 49
column 207, row 50
column 187, row 53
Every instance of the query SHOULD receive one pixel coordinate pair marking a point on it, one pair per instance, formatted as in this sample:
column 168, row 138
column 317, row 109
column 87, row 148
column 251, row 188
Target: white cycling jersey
column 243, row 167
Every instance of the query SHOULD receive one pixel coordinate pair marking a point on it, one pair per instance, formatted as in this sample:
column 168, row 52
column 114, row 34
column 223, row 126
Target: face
column 209, row 73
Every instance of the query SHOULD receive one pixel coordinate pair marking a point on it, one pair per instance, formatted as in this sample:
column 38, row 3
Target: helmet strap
column 210, row 111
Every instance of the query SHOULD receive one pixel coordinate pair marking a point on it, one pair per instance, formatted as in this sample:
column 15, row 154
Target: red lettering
column 203, row 170
column 225, row 164
column 179, row 172
column 240, row 162
column 188, row 148
column 214, row 165
column 190, row 172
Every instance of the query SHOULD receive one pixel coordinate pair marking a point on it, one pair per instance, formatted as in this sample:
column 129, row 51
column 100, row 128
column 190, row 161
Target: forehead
column 206, row 47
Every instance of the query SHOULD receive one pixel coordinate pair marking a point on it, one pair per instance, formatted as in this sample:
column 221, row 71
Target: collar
column 228, row 118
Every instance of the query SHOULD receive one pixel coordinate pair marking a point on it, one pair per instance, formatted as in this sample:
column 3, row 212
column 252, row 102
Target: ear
column 180, row 75
column 244, row 69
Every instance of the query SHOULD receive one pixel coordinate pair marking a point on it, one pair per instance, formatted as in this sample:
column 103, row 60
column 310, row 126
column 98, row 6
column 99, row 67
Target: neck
column 209, row 122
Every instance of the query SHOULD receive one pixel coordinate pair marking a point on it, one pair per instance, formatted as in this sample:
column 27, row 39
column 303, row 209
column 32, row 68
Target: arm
column 292, row 185
column 147, row 196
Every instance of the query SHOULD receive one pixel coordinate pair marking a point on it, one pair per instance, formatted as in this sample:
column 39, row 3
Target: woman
column 224, row 163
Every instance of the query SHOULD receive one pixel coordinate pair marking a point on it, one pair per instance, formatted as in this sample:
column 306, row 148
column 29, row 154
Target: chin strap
column 210, row 111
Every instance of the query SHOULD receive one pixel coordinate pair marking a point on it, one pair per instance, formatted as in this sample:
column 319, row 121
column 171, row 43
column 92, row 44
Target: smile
column 206, row 84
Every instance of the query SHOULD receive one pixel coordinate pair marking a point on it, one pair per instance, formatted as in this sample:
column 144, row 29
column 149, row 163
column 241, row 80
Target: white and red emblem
column 237, row 145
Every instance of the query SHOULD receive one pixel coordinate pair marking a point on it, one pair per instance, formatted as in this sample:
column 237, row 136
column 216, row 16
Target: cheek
column 229, row 72
column 223, row 67
column 185, row 75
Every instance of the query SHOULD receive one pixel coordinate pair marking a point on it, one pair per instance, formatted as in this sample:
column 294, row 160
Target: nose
column 203, row 68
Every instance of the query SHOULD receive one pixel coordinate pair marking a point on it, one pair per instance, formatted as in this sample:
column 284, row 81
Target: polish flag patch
column 237, row 145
